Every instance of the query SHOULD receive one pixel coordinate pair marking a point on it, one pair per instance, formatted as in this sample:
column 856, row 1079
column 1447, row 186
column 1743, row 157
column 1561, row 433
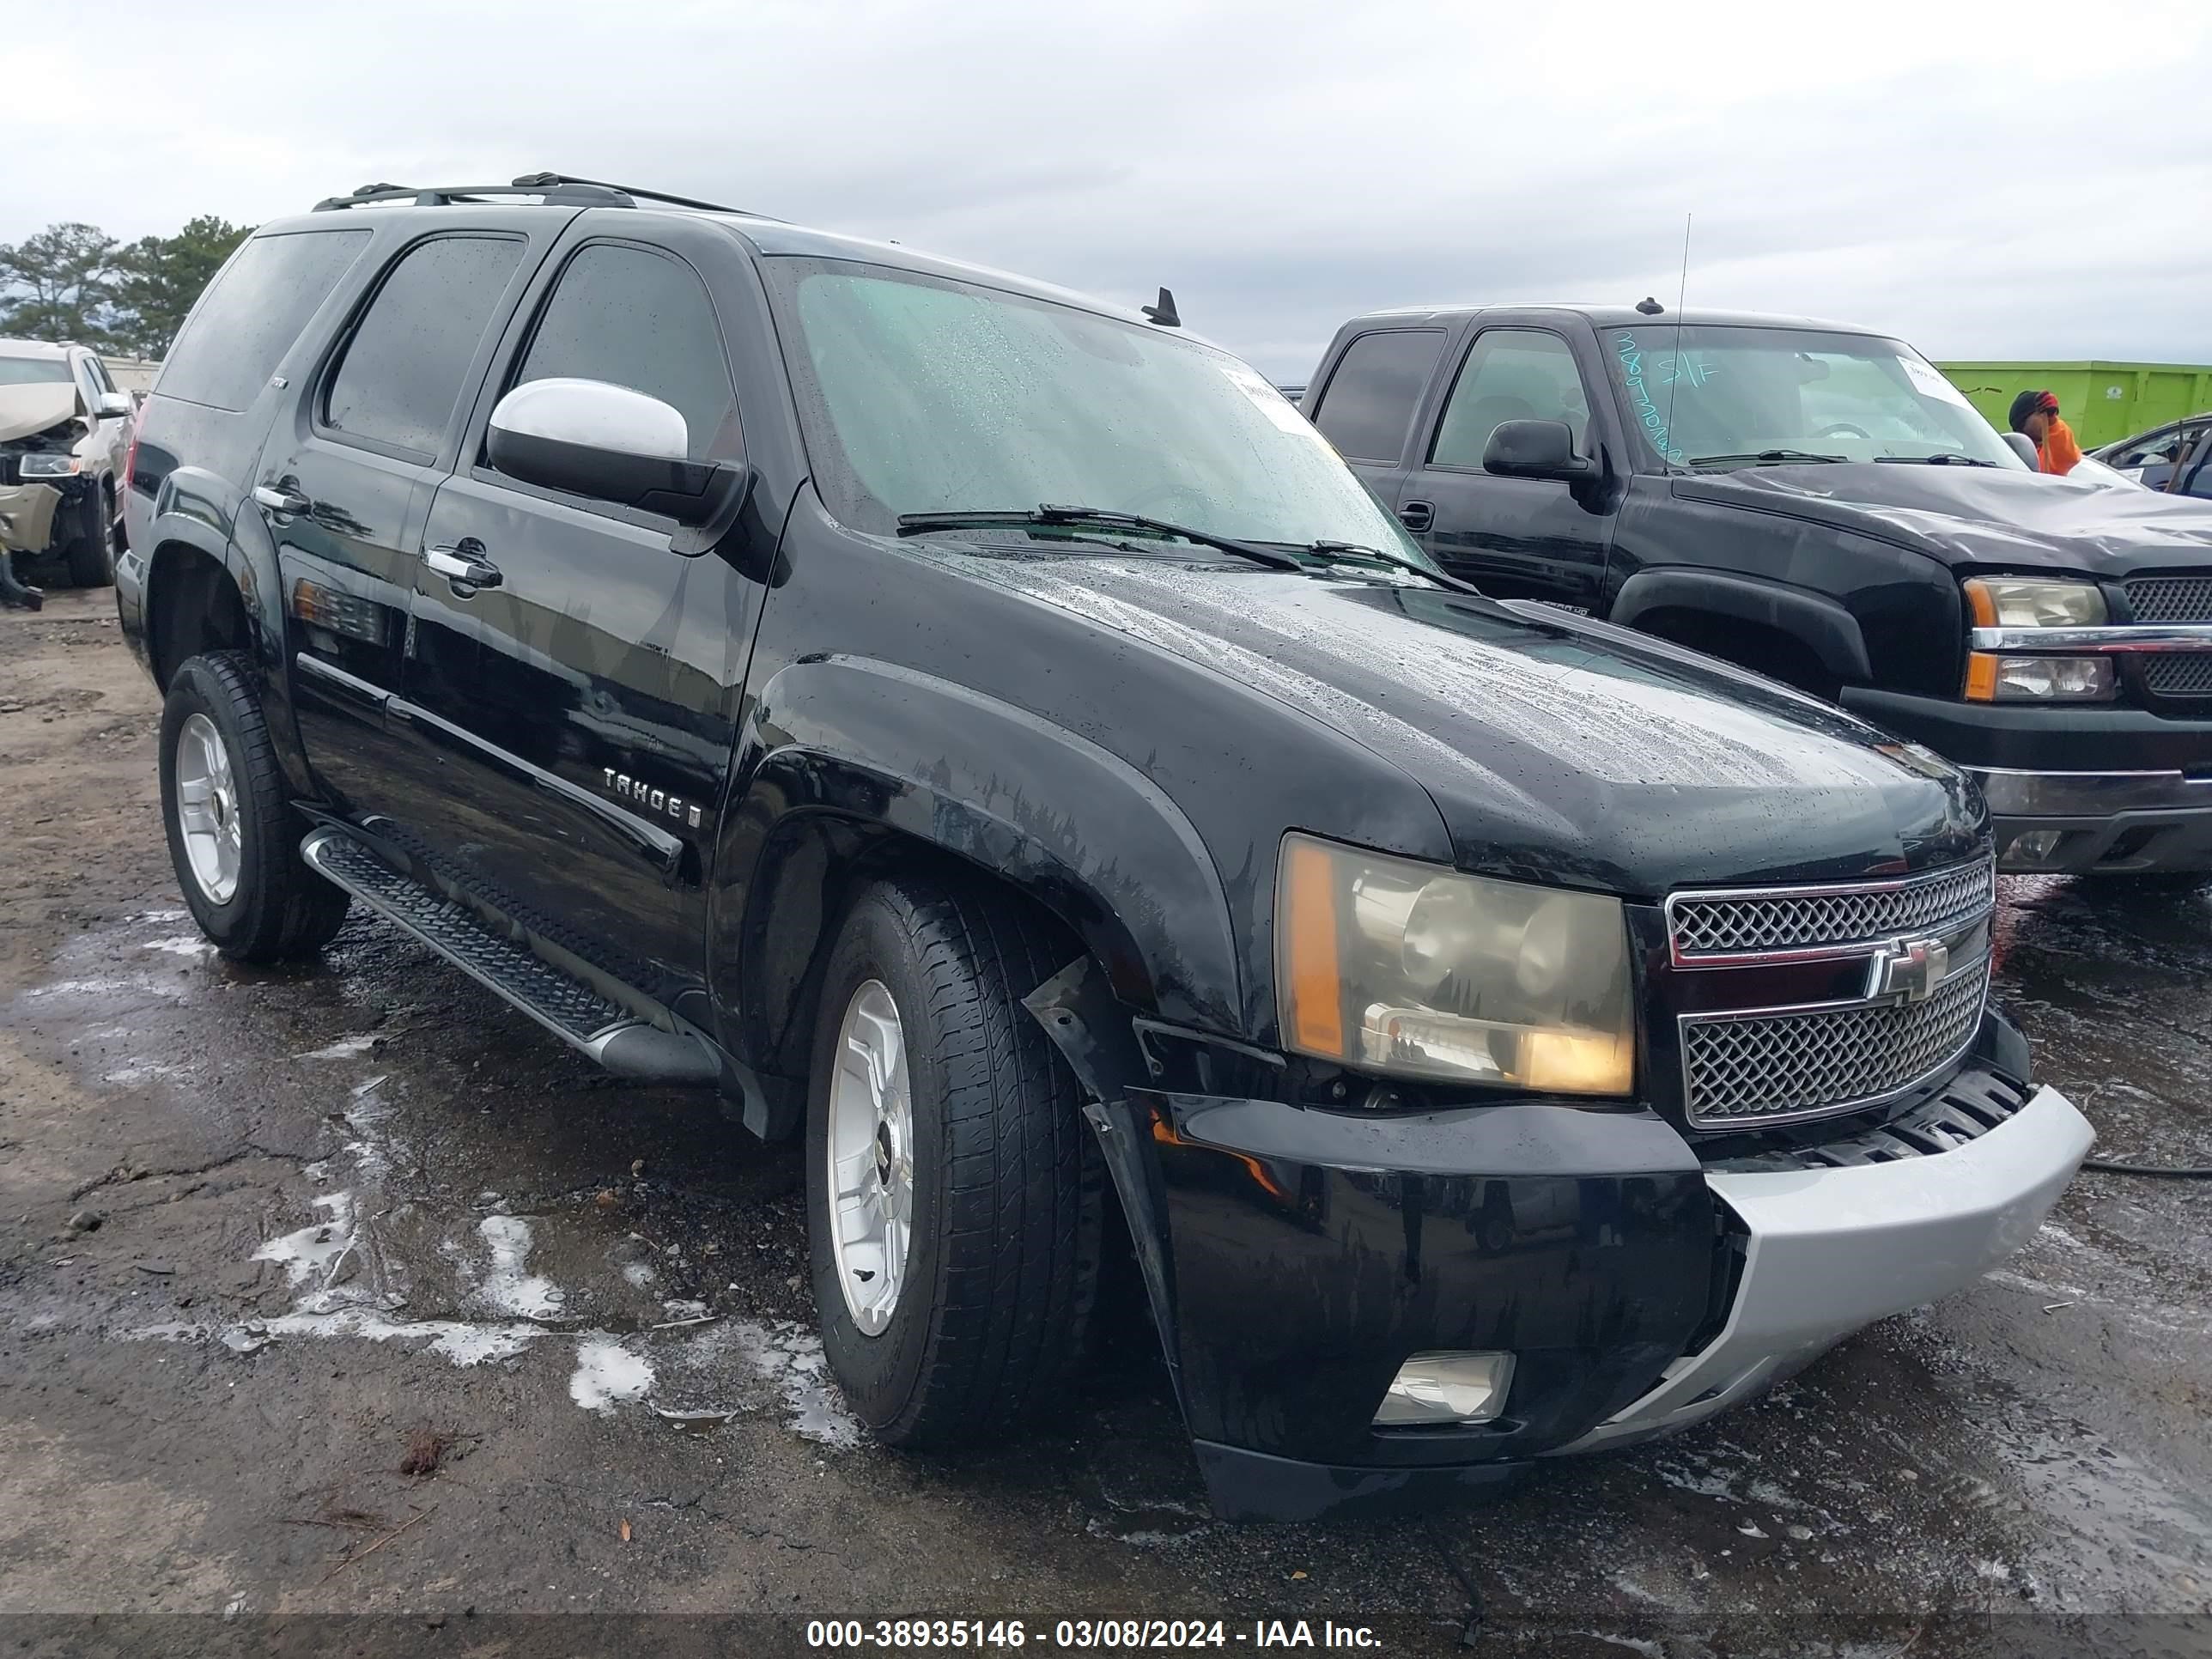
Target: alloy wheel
column 207, row 809
column 869, row 1160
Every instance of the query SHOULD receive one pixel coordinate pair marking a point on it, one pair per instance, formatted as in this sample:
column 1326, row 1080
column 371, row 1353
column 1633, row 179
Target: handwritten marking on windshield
column 1640, row 396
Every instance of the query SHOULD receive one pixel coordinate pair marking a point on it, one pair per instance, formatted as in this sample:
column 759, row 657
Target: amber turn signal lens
column 1310, row 962
column 1981, row 675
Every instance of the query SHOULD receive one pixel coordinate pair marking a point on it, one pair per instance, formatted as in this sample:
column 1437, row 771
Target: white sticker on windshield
column 1272, row 403
column 1930, row 383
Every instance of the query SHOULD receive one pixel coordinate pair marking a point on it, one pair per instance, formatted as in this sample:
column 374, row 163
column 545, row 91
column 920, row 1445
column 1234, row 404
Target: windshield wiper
column 1093, row 518
column 1941, row 458
column 1352, row 553
column 1765, row 455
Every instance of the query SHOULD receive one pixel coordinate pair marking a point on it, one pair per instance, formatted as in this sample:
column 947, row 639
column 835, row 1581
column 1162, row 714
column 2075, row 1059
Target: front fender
column 1074, row 826
column 1823, row 626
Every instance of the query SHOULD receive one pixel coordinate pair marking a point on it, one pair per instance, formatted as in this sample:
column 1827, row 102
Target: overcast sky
column 2010, row 181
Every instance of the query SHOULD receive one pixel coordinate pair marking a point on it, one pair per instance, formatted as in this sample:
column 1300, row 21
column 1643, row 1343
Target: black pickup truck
column 994, row 737
column 1820, row 504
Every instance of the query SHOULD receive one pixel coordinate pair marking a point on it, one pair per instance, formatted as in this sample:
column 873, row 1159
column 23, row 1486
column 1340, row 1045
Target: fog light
column 1436, row 1389
column 2036, row 846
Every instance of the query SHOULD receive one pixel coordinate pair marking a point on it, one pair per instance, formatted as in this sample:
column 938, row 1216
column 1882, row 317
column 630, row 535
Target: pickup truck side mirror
column 606, row 441
column 1536, row 449
column 114, row 406
column 2024, row 447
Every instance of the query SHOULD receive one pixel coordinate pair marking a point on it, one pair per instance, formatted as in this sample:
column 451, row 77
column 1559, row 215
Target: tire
column 92, row 552
column 1006, row 1195
column 273, row 907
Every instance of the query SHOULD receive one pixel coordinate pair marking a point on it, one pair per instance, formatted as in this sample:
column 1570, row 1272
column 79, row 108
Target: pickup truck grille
column 1771, row 1067
column 2171, row 598
column 2178, row 673
column 1719, row 926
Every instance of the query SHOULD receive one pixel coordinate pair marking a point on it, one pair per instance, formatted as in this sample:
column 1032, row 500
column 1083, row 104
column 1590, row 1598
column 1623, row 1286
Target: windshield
column 33, row 371
column 924, row 395
column 1735, row 392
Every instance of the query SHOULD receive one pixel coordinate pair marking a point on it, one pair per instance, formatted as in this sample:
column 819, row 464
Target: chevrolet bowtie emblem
column 1910, row 968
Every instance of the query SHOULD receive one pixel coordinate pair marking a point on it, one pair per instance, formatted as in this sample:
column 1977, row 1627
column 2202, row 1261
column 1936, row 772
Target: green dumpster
column 2103, row 402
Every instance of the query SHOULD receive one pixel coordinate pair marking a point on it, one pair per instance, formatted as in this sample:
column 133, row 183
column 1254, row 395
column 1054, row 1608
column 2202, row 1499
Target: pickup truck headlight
column 2018, row 602
column 47, row 466
column 1393, row 966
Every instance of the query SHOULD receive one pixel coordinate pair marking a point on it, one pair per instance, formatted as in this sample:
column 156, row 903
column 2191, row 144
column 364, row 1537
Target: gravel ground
column 395, row 1308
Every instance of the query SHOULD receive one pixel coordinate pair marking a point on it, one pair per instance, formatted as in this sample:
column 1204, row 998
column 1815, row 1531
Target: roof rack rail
column 555, row 189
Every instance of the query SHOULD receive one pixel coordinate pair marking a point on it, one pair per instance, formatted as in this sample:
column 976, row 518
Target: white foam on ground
column 455, row 1339
column 184, row 945
column 141, row 1071
column 314, row 1251
column 789, row 1358
column 344, row 1048
column 606, row 1373
column 507, row 1286
column 370, row 1148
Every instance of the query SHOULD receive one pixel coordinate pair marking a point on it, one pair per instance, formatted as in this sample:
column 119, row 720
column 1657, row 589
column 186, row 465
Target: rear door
column 1366, row 405
column 345, row 483
column 581, row 711
column 1530, row 538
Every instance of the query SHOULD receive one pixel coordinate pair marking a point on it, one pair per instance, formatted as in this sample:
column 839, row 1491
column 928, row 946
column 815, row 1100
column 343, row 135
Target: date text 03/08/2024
column 1109, row 1634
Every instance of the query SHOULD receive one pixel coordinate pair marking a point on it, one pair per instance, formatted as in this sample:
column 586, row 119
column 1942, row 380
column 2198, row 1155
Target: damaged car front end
column 43, row 480
column 1673, row 1067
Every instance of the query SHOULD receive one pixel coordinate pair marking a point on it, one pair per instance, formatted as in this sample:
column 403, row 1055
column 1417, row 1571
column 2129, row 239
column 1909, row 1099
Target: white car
column 64, row 432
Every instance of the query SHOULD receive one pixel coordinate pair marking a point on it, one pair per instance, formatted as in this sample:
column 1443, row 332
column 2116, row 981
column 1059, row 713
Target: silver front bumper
column 2017, row 794
column 1829, row 1251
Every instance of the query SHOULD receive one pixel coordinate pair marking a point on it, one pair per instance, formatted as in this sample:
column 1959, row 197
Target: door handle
column 462, row 564
column 1417, row 516
column 279, row 499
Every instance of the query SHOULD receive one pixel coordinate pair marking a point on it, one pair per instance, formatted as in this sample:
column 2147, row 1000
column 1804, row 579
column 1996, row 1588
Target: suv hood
column 27, row 409
column 1978, row 515
column 1556, row 748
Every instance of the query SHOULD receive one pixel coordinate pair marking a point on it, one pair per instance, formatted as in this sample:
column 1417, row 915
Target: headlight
column 1393, row 966
column 2015, row 602
column 47, row 466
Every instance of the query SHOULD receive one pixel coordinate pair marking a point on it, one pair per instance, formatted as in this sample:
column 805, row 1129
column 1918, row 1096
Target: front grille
column 2171, row 598
column 1757, row 1068
column 2178, row 673
column 1720, row 924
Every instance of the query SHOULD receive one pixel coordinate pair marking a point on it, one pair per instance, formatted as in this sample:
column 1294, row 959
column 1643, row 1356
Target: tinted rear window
column 252, row 313
column 1368, row 403
column 402, row 369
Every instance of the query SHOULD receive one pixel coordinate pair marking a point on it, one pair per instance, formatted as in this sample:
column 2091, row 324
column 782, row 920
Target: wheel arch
column 884, row 769
column 203, row 592
column 1772, row 622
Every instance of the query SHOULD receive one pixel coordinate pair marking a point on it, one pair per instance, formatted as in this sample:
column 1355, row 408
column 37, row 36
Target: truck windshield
column 919, row 394
column 1716, row 397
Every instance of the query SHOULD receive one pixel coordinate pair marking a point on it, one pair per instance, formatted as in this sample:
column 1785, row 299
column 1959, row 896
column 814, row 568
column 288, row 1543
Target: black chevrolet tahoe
column 993, row 737
column 1820, row 504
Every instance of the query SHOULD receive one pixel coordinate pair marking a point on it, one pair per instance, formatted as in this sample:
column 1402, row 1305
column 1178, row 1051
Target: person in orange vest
column 2036, row 414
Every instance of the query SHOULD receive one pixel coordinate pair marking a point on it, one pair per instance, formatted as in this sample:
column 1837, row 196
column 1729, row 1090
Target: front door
column 1527, row 538
column 580, row 706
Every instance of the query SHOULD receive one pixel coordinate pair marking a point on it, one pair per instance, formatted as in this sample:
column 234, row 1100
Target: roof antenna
column 1164, row 313
column 1649, row 307
column 1681, row 295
